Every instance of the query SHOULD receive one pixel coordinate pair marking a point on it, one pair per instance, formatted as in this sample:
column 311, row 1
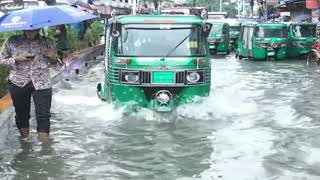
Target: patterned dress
column 35, row 70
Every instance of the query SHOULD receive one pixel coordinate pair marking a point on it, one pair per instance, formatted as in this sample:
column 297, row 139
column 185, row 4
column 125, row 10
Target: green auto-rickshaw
column 219, row 38
column 301, row 37
column 156, row 61
column 234, row 34
column 262, row 41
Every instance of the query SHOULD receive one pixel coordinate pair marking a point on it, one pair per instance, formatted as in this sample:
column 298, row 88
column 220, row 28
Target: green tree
column 230, row 8
column 214, row 5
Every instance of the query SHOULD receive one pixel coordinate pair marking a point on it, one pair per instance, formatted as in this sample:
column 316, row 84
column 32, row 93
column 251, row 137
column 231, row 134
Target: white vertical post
column 220, row 5
column 239, row 5
column 243, row 8
column 134, row 7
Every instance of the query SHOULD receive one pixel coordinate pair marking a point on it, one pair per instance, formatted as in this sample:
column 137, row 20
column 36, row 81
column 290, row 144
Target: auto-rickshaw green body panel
column 262, row 41
column 301, row 37
column 157, row 62
column 219, row 38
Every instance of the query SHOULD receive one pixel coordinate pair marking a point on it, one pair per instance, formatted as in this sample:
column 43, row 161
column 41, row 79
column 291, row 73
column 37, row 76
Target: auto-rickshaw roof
column 217, row 21
column 249, row 24
column 231, row 22
column 272, row 24
column 300, row 23
column 162, row 19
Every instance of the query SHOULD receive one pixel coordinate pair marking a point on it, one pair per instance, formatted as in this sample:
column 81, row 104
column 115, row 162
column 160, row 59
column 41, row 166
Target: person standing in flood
column 28, row 57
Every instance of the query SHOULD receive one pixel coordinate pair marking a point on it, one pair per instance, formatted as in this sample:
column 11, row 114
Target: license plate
column 162, row 77
column 271, row 53
column 212, row 46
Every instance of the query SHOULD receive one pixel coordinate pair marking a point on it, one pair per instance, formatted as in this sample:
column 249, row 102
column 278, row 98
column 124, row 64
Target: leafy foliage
column 214, row 5
column 93, row 34
column 4, row 72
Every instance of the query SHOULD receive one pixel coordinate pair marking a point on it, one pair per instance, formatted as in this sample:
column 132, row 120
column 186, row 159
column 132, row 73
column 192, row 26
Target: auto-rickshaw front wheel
column 313, row 57
column 238, row 56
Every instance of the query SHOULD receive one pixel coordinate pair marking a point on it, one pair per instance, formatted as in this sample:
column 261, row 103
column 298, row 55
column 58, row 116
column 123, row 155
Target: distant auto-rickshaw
column 235, row 28
column 301, row 37
column 262, row 41
column 219, row 38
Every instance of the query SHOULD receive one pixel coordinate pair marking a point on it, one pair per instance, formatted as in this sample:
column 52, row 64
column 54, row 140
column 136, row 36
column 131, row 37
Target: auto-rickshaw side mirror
column 206, row 29
column 100, row 92
column 115, row 30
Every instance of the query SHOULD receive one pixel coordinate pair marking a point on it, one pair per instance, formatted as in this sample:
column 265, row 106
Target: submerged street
column 261, row 121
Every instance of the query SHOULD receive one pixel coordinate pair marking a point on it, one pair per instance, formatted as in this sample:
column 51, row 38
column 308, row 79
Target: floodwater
column 261, row 122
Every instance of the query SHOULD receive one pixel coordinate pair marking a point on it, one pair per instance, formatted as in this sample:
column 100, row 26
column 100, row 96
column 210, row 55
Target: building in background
column 105, row 7
column 314, row 6
column 292, row 8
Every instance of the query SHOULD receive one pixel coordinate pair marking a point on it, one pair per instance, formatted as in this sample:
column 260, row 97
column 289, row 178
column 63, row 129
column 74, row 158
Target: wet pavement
column 261, row 121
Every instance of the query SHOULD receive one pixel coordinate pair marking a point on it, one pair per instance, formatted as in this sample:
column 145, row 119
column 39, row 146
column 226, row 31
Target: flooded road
column 261, row 122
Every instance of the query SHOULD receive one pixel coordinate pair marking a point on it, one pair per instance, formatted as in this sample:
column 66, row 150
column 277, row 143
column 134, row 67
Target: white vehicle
column 176, row 11
column 217, row 15
column 11, row 5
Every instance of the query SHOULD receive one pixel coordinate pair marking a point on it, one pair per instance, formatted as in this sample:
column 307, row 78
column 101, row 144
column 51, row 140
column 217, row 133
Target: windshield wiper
column 178, row 44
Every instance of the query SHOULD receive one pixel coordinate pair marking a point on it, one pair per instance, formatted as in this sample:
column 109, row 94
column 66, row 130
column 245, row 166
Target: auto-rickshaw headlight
column 130, row 77
column 193, row 77
column 211, row 40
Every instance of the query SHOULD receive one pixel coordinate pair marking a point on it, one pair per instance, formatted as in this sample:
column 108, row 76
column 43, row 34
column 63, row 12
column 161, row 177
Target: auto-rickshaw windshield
column 158, row 39
column 234, row 28
column 218, row 29
column 276, row 32
column 304, row 30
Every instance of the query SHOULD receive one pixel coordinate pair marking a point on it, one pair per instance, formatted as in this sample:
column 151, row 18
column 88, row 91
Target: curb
column 5, row 102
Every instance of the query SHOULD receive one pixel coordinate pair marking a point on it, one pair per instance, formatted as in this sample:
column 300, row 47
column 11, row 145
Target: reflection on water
column 29, row 159
column 37, row 161
column 260, row 122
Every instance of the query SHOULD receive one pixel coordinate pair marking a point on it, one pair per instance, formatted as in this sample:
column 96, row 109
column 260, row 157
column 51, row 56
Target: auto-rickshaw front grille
column 180, row 77
column 146, row 77
column 114, row 75
column 207, row 75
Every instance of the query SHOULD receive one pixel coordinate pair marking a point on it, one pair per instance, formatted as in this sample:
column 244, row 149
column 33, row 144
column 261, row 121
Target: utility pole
column 251, row 7
column 134, row 6
column 265, row 10
column 243, row 8
column 211, row 5
column 239, row 5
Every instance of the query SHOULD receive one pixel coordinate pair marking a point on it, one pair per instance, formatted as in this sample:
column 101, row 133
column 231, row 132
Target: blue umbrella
column 39, row 17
